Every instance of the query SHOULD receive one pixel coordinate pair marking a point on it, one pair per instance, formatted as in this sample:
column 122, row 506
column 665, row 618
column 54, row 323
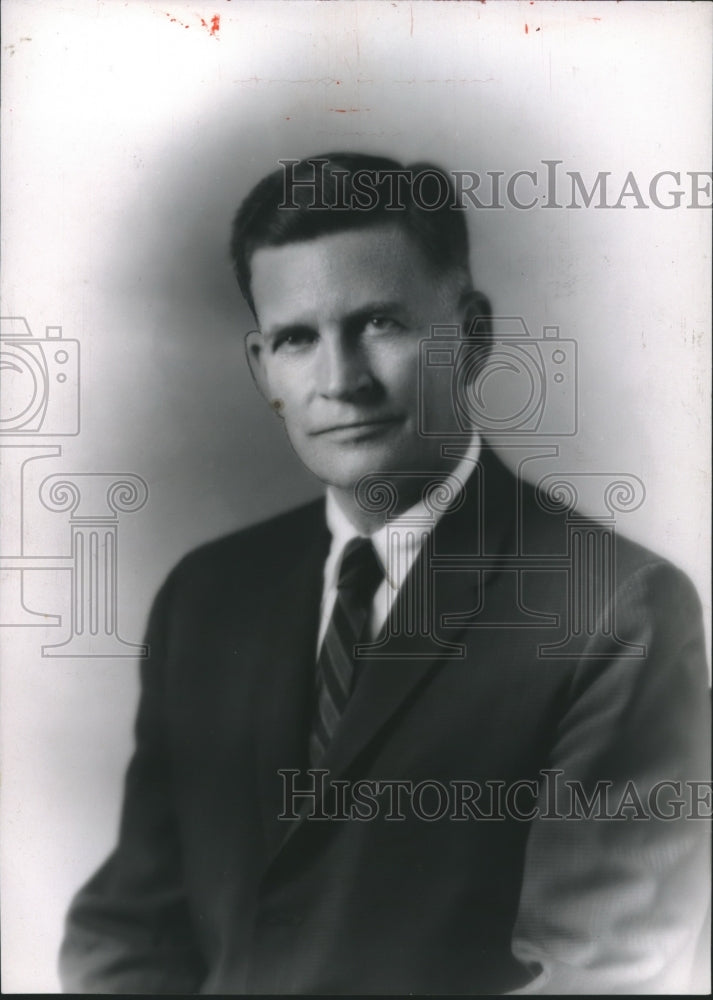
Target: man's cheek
column 280, row 400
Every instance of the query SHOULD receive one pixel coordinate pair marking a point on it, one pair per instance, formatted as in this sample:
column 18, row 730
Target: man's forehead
column 343, row 270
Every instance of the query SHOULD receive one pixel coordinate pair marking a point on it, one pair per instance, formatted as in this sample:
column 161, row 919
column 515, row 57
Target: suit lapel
column 285, row 671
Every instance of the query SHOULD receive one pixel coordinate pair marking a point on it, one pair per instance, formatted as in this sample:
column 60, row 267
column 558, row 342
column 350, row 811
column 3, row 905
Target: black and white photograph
column 355, row 450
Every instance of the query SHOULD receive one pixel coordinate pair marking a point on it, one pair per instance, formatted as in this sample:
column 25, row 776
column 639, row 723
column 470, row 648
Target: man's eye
column 383, row 324
column 294, row 339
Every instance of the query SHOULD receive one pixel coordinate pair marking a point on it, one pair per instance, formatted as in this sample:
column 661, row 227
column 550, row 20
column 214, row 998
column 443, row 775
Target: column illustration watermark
column 41, row 403
column 517, row 392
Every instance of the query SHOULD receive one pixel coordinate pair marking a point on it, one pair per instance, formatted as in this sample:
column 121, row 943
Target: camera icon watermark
column 40, row 381
column 505, row 382
column 39, row 378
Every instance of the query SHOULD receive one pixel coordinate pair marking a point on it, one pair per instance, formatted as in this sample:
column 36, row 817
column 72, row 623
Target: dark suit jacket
column 209, row 891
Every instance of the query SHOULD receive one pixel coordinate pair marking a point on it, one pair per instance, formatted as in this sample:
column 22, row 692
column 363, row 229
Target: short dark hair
column 334, row 192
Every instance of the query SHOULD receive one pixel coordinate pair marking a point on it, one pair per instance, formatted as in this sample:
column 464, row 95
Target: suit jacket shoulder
column 258, row 549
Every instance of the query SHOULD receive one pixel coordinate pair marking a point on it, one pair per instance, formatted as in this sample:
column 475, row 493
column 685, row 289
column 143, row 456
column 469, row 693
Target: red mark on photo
column 214, row 25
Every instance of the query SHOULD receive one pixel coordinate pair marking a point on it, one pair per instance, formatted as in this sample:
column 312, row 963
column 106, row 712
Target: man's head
column 344, row 296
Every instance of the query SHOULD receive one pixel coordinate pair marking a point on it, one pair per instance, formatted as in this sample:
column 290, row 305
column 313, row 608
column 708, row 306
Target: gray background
column 131, row 134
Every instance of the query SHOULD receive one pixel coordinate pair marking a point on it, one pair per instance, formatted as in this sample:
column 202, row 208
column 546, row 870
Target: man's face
column 341, row 319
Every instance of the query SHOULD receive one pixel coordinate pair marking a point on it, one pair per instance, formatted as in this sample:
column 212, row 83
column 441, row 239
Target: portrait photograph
column 355, row 457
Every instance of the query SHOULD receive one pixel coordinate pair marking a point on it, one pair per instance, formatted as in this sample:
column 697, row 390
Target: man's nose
column 342, row 368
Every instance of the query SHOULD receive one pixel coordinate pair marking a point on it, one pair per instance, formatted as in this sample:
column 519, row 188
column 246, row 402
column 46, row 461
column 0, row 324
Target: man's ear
column 476, row 331
column 255, row 354
column 477, row 319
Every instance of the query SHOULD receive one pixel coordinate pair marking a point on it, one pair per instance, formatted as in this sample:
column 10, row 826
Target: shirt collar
column 409, row 544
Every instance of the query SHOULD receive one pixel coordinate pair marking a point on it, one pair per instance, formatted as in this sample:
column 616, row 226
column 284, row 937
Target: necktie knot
column 360, row 571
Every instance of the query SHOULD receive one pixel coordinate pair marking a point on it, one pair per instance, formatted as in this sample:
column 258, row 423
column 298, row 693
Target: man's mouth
column 366, row 426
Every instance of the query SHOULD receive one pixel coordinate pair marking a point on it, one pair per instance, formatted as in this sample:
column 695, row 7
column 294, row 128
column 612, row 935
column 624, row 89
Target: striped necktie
column 359, row 576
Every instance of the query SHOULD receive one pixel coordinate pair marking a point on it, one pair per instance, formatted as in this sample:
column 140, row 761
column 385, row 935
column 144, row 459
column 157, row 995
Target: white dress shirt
column 408, row 546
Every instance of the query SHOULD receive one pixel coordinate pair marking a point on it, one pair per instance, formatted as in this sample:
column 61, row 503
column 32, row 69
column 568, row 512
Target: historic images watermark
column 40, row 404
column 519, row 391
column 312, row 795
column 548, row 185
column 506, row 382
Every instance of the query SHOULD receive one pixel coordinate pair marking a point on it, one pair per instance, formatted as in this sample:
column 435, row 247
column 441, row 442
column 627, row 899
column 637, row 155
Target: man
column 317, row 684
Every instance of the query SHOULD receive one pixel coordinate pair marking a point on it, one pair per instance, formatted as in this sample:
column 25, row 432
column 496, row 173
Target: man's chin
column 342, row 475
column 344, row 480
column 344, row 464
column 348, row 476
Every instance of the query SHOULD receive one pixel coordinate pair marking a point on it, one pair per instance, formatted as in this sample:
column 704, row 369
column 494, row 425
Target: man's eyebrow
column 362, row 313
column 371, row 308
